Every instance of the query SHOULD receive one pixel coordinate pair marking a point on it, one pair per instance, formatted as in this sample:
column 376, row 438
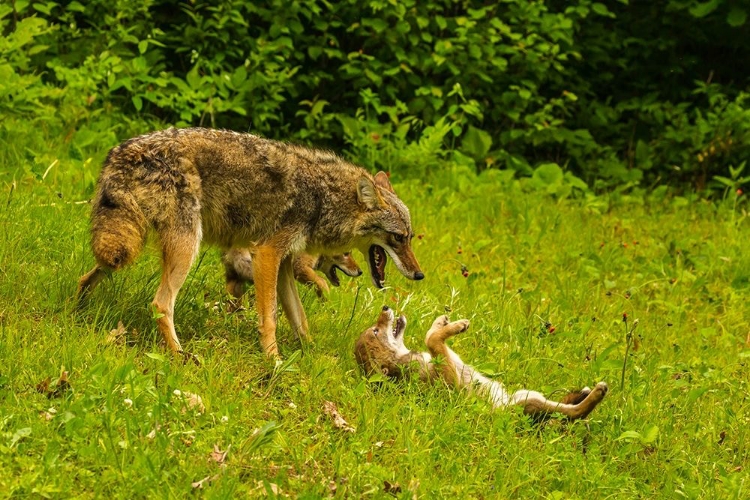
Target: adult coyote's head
column 385, row 229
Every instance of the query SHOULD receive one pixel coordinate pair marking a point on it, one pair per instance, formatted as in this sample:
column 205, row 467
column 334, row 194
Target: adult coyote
column 242, row 191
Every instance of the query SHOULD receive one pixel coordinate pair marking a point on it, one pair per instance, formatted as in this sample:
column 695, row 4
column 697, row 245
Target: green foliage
column 617, row 94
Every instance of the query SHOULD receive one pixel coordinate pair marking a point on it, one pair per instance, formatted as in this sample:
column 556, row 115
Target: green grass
column 677, row 427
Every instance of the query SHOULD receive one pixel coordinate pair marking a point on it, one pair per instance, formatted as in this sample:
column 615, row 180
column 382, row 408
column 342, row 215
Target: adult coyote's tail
column 118, row 227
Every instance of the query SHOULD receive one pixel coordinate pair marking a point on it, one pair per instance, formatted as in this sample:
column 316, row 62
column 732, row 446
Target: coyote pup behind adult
column 241, row 190
column 238, row 266
column 381, row 349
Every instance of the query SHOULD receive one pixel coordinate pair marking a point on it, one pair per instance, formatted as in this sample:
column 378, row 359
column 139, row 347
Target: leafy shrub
column 605, row 92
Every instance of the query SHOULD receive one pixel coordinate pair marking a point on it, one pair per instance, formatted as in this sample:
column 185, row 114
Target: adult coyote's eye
column 398, row 237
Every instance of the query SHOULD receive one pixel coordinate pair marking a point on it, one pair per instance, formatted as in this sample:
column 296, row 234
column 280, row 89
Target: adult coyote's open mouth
column 377, row 259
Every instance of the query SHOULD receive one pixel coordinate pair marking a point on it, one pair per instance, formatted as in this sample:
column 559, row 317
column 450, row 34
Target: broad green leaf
column 601, row 9
column 696, row 393
column 156, row 356
column 76, row 7
column 239, row 76
column 629, row 436
column 194, row 79
column 351, row 125
column 43, row 8
column 549, row 173
column 19, row 435
column 650, row 434
column 476, row 142
column 703, row 9
column 724, row 180
column 137, row 102
column 481, row 244
column 575, row 182
column 377, row 378
column 736, row 17
column 735, row 172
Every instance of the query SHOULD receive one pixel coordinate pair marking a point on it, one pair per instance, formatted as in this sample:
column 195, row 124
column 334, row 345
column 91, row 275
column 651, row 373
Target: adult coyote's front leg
column 266, row 263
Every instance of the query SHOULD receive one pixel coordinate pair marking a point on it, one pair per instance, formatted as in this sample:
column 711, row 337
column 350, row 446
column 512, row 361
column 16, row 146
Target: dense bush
column 616, row 93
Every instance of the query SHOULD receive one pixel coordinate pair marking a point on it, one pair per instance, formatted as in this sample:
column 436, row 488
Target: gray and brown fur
column 239, row 191
column 381, row 349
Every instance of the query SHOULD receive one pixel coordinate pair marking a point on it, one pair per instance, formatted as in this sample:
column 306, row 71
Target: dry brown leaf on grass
column 332, row 487
column 43, row 386
column 391, row 488
column 192, row 401
column 117, row 335
column 199, row 484
column 152, row 434
column 269, row 488
column 338, row 421
column 219, row 456
column 49, row 414
column 62, row 385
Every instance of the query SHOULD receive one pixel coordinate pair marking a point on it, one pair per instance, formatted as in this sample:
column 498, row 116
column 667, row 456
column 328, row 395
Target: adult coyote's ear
column 367, row 194
column 381, row 180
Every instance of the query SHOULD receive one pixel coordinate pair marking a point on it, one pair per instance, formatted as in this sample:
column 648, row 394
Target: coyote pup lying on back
column 381, row 349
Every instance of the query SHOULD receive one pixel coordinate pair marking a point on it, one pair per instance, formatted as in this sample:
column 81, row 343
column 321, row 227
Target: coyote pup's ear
column 367, row 194
column 381, row 180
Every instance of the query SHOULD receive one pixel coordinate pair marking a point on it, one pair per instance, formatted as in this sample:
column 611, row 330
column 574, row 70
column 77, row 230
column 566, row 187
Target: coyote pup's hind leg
column 441, row 331
column 534, row 402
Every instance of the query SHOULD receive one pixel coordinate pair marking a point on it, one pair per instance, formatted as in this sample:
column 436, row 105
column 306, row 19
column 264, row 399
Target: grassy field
column 549, row 284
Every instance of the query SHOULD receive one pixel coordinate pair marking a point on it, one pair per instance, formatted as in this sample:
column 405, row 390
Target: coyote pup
column 238, row 191
column 238, row 265
column 380, row 349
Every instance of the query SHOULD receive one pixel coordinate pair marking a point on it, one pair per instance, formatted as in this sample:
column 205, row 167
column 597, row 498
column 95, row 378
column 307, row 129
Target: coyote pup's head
column 380, row 348
column 385, row 229
column 343, row 262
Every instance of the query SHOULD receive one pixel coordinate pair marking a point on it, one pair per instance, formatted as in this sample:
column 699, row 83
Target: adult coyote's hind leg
column 178, row 252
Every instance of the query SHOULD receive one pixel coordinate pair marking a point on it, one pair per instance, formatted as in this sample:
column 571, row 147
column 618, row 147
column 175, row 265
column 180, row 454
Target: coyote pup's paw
column 576, row 397
column 462, row 325
column 440, row 322
column 601, row 389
